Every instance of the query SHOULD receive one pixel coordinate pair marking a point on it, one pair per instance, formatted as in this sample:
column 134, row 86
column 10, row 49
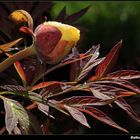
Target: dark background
column 106, row 23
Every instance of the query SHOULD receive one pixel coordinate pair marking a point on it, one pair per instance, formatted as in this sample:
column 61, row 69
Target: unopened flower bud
column 55, row 40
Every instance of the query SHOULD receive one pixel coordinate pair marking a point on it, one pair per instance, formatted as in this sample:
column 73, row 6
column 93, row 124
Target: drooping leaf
column 124, row 75
column 106, row 65
column 77, row 115
column 6, row 47
column 125, row 106
column 99, row 115
column 105, row 92
column 16, row 116
column 45, row 109
column 76, row 15
column 34, row 125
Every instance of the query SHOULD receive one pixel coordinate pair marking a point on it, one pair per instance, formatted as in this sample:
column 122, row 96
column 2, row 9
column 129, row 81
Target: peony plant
column 90, row 85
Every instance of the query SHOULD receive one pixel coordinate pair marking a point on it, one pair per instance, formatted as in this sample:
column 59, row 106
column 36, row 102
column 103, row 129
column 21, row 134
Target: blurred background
column 106, row 23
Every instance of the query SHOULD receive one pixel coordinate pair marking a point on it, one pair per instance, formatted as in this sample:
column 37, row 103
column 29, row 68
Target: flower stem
column 18, row 56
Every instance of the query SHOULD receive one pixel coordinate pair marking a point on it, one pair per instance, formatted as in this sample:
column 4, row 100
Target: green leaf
column 17, row 117
column 15, row 114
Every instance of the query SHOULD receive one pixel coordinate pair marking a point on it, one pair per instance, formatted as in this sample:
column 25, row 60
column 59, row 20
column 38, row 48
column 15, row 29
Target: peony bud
column 20, row 16
column 55, row 40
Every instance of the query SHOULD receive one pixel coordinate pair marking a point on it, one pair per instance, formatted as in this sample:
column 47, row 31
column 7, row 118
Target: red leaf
column 19, row 70
column 100, row 95
column 55, row 105
column 88, row 64
column 122, row 83
column 46, row 84
column 14, row 88
column 7, row 46
column 86, row 100
column 99, row 115
column 124, row 74
column 77, row 115
column 106, row 92
column 26, row 30
column 44, row 108
column 45, row 128
column 63, row 63
column 107, row 64
column 67, row 62
column 80, row 69
column 123, row 104
column 79, row 100
column 75, row 67
column 85, row 71
column 74, row 70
